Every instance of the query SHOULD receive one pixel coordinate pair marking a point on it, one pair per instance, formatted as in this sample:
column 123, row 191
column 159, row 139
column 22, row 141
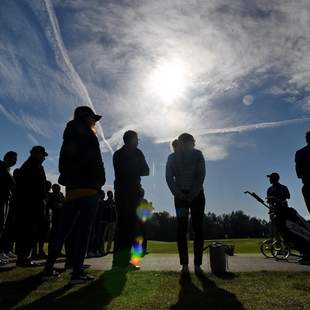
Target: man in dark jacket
column 302, row 160
column 129, row 165
column 82, row 173
column 6, row 185
column 30, row 199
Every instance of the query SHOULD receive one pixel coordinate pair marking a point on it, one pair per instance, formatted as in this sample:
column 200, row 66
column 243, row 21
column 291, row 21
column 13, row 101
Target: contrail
column 238, row 129
column 70, row 68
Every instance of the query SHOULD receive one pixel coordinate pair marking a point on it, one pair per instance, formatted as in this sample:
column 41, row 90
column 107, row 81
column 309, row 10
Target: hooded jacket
column 80, row 161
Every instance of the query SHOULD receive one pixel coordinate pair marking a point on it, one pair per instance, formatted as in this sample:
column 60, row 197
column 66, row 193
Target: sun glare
column 168, row 80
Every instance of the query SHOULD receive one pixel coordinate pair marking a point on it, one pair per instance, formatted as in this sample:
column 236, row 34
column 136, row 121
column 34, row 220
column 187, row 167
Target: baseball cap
column 273, row 175
column 85, row 111
column 39, row 149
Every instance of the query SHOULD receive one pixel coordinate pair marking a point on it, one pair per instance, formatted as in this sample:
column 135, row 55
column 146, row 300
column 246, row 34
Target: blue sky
column 235, row 74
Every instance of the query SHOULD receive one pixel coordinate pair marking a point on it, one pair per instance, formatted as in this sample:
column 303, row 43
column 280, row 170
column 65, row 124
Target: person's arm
column 144, row 169
column 170, row 176
column 200, row 177
column 298, row 165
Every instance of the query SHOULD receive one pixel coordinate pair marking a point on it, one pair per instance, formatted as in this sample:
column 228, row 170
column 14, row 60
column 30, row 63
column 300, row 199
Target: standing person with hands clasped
column 185, row 174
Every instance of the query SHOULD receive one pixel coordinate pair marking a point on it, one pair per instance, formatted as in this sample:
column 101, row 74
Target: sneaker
column 11, row 255
column 81, row 278
column 47, row 275
column 3, row 262
column 132, row 267
column 90, row 255
column 198, row 270
column 4, row 256
column 184, row 270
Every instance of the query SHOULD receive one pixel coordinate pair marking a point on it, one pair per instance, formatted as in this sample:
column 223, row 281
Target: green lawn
column 241, row 246
column 22, row 289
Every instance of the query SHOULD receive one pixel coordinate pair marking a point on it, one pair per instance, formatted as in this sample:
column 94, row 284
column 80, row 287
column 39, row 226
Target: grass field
column 241, row 246
column 22, row 289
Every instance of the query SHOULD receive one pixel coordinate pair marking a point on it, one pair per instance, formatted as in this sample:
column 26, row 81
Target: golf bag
column 294, row 229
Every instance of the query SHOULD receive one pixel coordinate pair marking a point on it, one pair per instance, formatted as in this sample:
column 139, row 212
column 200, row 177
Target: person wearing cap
column 7, row 184
column 129, row 166
column 185, row 174
column 277, row 195
column 82, row 173
column 30, row 204
column 302, row 161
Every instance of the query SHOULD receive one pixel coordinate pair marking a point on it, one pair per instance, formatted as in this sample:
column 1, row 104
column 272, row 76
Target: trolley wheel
column 280, row 250
column 265, row 248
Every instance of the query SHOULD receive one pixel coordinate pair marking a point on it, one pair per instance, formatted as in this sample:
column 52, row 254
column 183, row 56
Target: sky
column 235, row 74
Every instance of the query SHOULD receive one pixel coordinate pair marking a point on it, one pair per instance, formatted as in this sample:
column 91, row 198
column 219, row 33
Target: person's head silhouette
column 175, row 145
column 56, row 188
column 274, row 178
column 110, row 194
column 10, row 159
column 38, row 153
column 130, row 139
column 87, row 116
column 187, row 141
column 48, row 186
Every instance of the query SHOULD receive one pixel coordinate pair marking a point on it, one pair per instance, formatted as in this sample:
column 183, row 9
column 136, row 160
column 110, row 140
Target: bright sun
column 168, row 80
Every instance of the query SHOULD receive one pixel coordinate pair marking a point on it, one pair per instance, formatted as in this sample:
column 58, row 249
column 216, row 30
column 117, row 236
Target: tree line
column 163, row 226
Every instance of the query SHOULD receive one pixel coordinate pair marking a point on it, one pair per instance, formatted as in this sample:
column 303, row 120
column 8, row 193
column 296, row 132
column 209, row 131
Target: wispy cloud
column 109, row 54
column 32, row 139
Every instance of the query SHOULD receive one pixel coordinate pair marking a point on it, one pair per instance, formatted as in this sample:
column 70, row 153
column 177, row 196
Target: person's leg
column 63, row 228
column 126, row 228
column 88, row 207
column 182, row 213
column 2, row 216
column 306, row 194
column 197, row 212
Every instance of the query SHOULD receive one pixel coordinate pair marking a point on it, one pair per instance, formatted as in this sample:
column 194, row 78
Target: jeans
column 196, row 208
column 77, row 216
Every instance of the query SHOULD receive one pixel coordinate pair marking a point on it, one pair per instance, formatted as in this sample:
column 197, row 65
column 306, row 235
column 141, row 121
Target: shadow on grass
column 6, row 268
column 12, row 292
column 94, row 296
column 210, row 297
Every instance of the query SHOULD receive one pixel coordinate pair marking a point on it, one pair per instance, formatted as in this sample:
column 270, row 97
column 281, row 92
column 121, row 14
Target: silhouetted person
column 31, row 195
column 109, row 222
column 97, row 229
column 55, row 205
column 129, row 165
column 277, row 195
column 7, row 184
column 9, row 234
column 82, row 173
column 302, row 160
column 185, row 174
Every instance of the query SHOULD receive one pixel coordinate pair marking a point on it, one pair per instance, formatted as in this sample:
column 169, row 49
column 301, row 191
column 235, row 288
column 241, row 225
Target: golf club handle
column 257, row 198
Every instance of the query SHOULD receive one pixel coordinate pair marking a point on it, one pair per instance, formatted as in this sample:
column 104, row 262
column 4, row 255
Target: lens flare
column 136, row 251
column 145, row 211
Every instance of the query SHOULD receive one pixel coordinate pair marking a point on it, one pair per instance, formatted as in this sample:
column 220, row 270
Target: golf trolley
column 276, row 246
